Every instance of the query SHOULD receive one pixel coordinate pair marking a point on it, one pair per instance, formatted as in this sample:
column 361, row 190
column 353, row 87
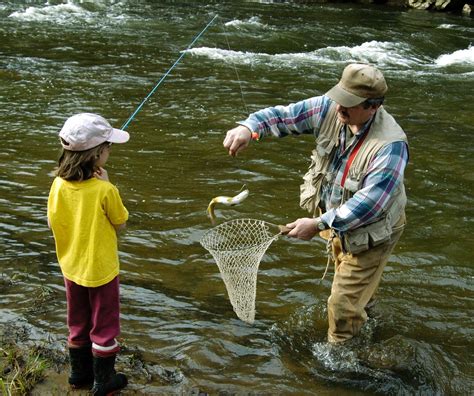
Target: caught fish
column 228, row 201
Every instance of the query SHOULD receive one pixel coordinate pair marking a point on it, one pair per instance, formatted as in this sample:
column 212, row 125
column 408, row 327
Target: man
column 353, row 189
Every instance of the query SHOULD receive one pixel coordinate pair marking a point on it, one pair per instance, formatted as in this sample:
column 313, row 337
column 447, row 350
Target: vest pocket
column 372, row 235
column 309, row 189
column 379, row 235
column 356, row 242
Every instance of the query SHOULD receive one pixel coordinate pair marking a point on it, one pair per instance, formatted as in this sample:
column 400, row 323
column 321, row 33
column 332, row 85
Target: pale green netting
column 237, row 247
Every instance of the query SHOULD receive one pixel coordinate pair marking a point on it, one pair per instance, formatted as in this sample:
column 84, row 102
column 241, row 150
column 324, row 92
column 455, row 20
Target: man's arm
column 304, row 117
column 384, row 175
column 295, row 119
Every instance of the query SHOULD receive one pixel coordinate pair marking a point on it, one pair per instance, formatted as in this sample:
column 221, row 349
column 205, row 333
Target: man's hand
column 237, row 139
column 304, row 228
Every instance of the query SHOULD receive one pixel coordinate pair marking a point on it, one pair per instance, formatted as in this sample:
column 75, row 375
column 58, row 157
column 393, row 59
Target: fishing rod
column 125, row 125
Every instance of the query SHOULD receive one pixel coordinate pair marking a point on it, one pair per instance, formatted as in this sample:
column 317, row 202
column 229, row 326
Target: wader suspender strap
column 354, row 152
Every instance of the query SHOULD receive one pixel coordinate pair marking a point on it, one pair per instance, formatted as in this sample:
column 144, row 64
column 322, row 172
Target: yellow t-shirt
column 81, row 215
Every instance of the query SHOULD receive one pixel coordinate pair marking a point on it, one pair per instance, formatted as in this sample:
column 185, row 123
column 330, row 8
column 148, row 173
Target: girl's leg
column 78, row 318
column 78, row 314
column 105, row 317
column 105, row 305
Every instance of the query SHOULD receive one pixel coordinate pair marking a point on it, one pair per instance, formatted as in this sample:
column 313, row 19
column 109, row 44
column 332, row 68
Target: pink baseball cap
column 87, row 130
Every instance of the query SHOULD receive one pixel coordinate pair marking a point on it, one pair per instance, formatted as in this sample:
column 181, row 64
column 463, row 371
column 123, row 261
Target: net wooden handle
column 284, row 229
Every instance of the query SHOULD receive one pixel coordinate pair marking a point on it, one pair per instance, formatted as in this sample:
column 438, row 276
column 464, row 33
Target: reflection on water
column 59, row 59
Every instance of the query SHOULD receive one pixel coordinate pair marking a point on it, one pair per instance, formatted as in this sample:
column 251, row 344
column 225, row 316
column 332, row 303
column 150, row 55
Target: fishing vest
column 383, row 130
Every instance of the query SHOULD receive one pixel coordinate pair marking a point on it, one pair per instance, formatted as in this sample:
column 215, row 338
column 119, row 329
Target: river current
column 60, row 58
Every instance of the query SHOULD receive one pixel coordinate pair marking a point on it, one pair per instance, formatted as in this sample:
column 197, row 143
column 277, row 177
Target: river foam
column 61, row 13
column 252, row 23
column 385, row 54
column 465, row 56
column 382, row 53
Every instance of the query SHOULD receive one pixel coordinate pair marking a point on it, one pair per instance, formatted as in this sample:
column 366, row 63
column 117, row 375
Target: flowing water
column 58, row 58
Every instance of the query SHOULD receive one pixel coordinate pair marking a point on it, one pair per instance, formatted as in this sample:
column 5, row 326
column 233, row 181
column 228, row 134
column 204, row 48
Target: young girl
column 85, row 212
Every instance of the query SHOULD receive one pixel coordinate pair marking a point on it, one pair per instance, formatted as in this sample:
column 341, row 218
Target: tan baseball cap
column 87, row 130
column 359, row 82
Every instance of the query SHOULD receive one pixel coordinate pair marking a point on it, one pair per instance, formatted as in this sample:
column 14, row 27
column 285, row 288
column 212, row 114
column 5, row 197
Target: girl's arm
column 120, row 227
column 101, row 174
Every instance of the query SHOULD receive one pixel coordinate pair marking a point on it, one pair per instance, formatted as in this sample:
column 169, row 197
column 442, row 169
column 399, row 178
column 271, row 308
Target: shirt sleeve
column 304, row 117
column 51, row 200
column 384, row 175
column 114, row 207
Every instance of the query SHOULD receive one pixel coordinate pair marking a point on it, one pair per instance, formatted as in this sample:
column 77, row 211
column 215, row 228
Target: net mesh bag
column 237, row 247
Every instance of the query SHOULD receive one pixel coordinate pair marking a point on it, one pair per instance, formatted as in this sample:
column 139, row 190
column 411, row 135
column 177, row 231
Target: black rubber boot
column 106, row 380
column 82, row 374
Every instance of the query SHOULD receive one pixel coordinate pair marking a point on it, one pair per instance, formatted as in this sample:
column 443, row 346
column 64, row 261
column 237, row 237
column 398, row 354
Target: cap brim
column 118, row 136
column 343, row 97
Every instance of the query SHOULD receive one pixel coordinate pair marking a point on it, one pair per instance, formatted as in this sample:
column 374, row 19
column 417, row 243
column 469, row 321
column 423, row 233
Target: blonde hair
column 79, row 165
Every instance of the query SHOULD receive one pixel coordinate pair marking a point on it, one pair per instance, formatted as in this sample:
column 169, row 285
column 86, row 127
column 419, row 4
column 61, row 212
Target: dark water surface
column 59, row 59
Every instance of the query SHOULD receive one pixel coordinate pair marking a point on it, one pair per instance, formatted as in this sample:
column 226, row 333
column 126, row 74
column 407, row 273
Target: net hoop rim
column 212, row 230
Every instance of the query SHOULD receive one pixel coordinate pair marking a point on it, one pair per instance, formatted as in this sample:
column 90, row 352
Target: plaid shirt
column 384, row 174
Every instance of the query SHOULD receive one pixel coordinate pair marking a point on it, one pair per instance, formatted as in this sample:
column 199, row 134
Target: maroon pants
column 93, row 316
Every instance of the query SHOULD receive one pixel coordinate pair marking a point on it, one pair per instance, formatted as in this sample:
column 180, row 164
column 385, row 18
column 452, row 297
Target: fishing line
column 125, row 125
column 236, row 73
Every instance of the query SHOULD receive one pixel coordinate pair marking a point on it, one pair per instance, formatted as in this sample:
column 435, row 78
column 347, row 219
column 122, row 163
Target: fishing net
column 237, row 247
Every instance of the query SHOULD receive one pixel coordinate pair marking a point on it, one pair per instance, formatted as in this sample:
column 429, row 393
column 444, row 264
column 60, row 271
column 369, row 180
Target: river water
column 58, row 58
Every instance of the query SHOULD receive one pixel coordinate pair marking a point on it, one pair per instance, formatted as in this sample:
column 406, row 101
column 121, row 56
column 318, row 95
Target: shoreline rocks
column 462, row 7
column 442, row 5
